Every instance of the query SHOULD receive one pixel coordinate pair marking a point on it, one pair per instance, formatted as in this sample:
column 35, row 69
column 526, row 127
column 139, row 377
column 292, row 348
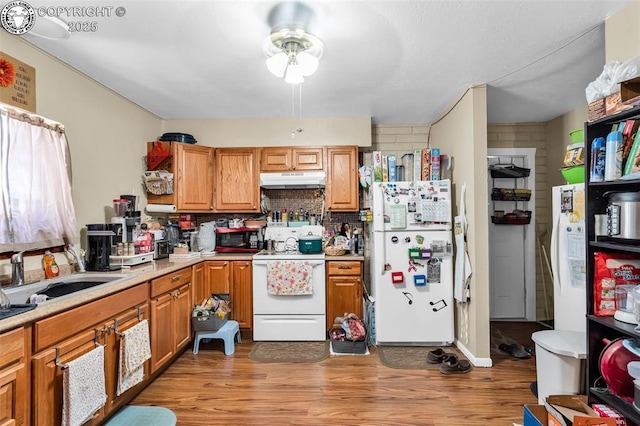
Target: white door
column 512, row 249
column 506, row 271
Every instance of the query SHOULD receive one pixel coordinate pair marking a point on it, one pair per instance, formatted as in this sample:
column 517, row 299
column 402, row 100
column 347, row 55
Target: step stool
column 227, row 333
column 142, row 415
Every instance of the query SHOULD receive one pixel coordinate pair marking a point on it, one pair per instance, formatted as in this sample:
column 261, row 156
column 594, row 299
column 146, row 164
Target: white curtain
column 37, row 209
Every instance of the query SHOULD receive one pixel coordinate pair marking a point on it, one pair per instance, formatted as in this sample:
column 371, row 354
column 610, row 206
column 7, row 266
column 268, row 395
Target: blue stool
column 227, row 332
column 131, row 415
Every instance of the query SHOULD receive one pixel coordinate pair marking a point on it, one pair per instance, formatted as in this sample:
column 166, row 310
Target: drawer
column 170, row 281
column 52, row 330
column 344, row 268
column 12, row 344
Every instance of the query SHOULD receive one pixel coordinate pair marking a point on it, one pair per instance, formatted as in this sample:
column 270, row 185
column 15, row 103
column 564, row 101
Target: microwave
column 238, row 240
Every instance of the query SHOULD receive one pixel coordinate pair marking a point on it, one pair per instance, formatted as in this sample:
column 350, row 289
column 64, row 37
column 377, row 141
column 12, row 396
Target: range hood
column 292, row 180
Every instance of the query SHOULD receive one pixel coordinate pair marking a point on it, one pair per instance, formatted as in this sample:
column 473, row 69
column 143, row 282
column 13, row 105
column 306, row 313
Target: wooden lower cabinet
column 242, row 293
column 58, row 342
column 344, row 289
column 170, row 308
column 14, row 385
column 234, row 278
column 217, row 276
column 198, row 283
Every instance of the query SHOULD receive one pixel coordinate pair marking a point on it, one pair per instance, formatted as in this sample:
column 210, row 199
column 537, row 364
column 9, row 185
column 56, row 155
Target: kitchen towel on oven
column 289, row 278
column 83, row 387
column 134, row 351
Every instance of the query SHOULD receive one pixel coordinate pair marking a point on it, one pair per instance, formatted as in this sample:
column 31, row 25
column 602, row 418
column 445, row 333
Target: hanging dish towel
column 463, row 264
column 83, row 388
column 134, row 351
column 289, row 278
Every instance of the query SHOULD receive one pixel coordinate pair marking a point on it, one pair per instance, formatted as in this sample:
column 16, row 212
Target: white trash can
column 560, row 364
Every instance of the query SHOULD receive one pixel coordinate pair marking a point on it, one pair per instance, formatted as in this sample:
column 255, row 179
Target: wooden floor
column 211, row 388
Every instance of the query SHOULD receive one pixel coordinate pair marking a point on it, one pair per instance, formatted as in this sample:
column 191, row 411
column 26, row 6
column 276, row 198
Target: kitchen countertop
column 140, row 274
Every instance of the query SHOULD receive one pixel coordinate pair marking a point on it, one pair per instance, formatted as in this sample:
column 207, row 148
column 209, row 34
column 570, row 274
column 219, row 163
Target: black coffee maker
column 99, row 241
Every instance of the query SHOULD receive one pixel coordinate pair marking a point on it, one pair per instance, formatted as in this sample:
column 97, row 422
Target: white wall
column 107, row 134
column 462, row 133
column 276, row 131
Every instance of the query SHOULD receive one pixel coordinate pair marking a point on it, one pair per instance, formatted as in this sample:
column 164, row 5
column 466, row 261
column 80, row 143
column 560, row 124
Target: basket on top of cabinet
column 511, row 194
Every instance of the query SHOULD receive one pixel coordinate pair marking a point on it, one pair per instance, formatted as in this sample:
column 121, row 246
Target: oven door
column 306, row 304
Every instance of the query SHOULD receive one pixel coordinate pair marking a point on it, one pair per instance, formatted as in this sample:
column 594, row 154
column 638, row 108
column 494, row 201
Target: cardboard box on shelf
column 417, row 164
column 630, row 91
column 613, row 104
column 596, row 109
column 534, row 415
column 573, row 410
column 377, row 166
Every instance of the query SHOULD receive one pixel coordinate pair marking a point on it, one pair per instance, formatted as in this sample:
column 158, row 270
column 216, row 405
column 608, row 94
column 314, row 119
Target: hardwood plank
column 211, row 388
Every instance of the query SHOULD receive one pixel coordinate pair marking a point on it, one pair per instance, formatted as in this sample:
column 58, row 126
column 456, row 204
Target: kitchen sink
column 62, row 286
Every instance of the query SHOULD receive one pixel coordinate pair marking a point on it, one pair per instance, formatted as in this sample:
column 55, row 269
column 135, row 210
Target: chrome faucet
column 17, row 269
column 78, row 255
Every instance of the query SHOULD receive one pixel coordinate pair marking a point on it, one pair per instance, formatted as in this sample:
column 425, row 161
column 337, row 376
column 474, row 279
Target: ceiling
column 400, row 62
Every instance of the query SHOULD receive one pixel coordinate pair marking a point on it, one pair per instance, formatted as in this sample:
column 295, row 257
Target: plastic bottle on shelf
column 597, row 162
column 51, row 269
column 613, row 156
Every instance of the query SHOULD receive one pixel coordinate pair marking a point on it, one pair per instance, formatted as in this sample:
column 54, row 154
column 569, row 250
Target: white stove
column 289, row 288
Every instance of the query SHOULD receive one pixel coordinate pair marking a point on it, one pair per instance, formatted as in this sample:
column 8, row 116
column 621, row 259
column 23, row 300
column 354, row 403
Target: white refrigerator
column 560, row 353
column 412, row 262
column 568, row 251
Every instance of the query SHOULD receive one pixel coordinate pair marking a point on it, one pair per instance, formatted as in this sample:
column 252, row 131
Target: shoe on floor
column 436, row 356
column 458, row 366
column 514, row 350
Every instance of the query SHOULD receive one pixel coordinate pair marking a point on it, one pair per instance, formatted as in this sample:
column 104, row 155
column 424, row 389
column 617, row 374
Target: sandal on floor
column 436, row 356
column 514, row 350
column 458, row 367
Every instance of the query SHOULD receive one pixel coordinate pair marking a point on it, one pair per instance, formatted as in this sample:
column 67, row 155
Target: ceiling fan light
column 293, row 74
column 277, row 64
column 308, row 63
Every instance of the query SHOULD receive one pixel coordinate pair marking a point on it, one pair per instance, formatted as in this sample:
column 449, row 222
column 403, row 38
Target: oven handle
column 311, row 262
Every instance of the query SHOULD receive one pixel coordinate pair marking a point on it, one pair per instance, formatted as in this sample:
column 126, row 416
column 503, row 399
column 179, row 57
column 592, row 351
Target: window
column 36, row 209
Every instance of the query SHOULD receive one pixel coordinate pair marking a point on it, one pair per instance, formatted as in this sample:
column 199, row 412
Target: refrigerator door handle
column 554, row 254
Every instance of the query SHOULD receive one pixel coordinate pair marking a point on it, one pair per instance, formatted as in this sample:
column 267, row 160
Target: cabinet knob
column 176, row 277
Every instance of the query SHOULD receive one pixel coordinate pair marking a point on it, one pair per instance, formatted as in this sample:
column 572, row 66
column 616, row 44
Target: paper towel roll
column 161, row 208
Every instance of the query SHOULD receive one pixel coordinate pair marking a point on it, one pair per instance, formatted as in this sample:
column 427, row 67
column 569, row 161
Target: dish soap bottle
column 51, row 269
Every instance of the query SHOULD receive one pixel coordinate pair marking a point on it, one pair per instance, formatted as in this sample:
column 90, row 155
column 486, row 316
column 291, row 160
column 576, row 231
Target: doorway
column 512, row 240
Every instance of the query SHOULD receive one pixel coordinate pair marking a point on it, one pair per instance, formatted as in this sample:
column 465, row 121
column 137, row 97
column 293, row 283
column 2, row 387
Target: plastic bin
column 560, row 364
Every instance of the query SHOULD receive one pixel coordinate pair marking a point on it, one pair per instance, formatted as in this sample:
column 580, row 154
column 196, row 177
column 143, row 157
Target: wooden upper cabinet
column 192, row 168
column 283, row 159
column 342, row 178
column 237, row 185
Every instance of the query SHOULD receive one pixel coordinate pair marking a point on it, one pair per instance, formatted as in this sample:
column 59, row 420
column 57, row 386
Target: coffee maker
column 99, row 240
column 126, row 222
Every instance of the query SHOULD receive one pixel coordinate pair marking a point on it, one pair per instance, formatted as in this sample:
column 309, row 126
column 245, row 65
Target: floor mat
column 290, row 351
column 412, row 357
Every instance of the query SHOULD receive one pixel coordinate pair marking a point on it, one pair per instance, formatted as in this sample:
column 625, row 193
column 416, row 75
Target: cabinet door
column 276, row 160
column 236, row 180
column 217, row 275
column 47, row 379
column 342, row 178
column 242, row 294
column 13, row 379
column 308, row 158
column 344, row 290
column 182, row 316
column 193, row 181
column 162, row 330
column 199, row 287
